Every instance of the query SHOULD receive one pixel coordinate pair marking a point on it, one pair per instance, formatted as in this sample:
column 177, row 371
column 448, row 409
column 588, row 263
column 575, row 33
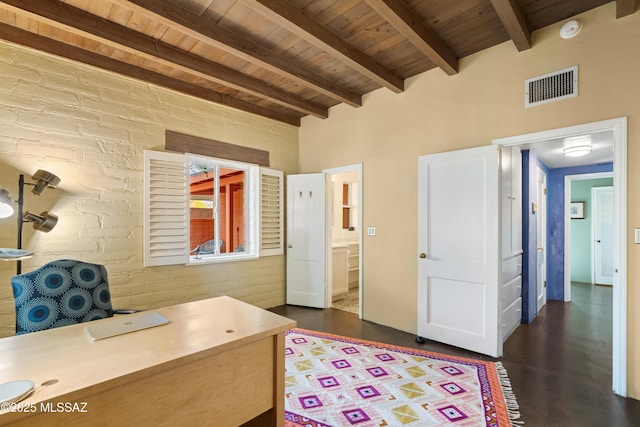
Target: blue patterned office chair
column 61, row 293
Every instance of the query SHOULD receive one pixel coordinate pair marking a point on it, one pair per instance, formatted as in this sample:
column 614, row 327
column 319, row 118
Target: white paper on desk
column 123, row 324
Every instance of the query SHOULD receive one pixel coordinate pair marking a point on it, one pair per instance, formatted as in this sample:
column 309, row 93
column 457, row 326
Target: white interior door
column 603, row 233
column 459, row 249
column 306, row 223
column 541, row 234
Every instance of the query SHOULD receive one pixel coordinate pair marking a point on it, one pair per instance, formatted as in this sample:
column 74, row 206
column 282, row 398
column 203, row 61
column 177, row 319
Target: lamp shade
column 6, row 204
column 43, row 181
column 43, row 222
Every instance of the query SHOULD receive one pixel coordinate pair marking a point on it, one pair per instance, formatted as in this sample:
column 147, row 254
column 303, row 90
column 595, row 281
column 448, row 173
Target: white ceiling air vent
column 551, row 87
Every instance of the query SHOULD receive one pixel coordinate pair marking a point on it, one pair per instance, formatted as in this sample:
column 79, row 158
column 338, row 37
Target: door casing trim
column 619, row 128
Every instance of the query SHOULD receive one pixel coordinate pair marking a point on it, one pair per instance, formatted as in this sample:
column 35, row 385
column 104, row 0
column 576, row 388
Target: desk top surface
column 195, row 330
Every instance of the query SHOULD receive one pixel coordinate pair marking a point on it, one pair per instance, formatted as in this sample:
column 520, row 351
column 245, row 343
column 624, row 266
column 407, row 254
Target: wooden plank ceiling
column 276, row 58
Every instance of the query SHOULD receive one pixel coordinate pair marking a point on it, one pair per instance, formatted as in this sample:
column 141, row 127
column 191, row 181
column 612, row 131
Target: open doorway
column 617, row 129
column 580, row 238
column 344, row 243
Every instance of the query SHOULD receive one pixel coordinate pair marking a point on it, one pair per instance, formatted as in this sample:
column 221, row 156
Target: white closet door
column 306, row 243
column 459, row 249
column 603, row 226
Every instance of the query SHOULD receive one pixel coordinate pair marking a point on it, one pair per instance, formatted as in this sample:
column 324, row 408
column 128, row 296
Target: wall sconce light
column 44, row 222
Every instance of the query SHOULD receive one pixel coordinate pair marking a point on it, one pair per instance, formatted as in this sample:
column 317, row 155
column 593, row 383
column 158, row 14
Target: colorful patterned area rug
column 333, row 381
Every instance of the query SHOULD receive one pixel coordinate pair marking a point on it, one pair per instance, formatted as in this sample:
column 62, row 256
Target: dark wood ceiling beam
column 80, row 22
column 210, row 33
column 409, row 24
column 293, row 19
column 625, row 7
column 44, row 44
column 514, row 22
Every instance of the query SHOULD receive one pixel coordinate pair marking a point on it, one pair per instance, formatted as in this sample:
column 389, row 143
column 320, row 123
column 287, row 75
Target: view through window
column 218, row 223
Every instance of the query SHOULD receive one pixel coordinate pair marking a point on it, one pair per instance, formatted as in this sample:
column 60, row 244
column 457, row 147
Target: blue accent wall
column 555, row 225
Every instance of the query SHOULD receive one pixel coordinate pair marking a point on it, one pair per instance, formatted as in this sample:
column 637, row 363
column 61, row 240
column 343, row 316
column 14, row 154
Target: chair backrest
column 207, row 247
column 60, row 293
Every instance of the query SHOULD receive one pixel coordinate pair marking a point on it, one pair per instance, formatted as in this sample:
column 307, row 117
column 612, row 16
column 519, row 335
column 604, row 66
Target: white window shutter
column 166, row 209
column 271, row 212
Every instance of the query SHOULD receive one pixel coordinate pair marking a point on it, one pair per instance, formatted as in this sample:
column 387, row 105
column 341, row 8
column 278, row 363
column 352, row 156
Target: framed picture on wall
column 576, row 210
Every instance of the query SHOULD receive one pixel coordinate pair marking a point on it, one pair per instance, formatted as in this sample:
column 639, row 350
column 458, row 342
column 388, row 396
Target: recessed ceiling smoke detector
column 571, row 29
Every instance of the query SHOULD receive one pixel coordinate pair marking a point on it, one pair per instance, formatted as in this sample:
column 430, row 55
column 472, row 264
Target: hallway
column 562, row 364
column 559, row 365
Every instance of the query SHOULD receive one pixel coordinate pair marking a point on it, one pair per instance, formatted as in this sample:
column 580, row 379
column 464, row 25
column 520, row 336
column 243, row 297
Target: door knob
column 289, row 246
column 423, row 255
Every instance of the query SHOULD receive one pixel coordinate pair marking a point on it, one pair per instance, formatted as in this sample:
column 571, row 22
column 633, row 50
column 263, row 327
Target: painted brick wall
column 90, row 128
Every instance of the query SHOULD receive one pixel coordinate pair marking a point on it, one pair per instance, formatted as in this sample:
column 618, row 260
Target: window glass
column 232, row 210
column 217, row 207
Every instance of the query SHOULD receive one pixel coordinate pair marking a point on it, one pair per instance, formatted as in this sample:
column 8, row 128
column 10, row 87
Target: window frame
column 167, row 217
column 251, row 200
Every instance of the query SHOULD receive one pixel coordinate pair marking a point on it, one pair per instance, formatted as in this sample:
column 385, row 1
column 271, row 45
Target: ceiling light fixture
column 577, row 146
column 577, row 150
column 571, row 29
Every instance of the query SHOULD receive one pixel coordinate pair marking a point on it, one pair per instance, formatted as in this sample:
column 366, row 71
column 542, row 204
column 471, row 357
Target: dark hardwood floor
column 559, row 365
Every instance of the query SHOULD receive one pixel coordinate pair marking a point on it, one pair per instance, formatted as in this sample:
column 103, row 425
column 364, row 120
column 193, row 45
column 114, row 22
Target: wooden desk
column 219, row 362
